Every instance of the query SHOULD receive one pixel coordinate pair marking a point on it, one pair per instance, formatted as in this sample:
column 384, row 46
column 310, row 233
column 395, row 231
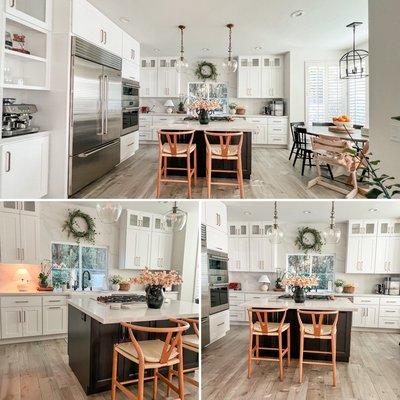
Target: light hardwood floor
column 373, row 372
column 40, row 371
column 272, row 177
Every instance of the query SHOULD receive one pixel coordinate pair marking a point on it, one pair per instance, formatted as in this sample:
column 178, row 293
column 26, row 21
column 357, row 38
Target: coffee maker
column 17, row 118
column 275, row 108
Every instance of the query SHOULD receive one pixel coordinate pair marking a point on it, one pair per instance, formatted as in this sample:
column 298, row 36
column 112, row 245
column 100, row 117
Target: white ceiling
column 257, row 23
column 293, row 211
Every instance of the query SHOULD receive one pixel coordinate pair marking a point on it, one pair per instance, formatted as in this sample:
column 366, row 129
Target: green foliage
column 72, row 227
column 339, row 283
column 305, row 245
column 200, row 73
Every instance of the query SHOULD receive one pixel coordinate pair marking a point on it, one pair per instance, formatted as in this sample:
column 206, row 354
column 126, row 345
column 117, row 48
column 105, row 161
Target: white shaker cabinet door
column 37, row 12
column 55, row 320
column 10, row 249
column 367, row 254
column 137, row 249
column 32, row 321
column 11, row 322
column 30, row 239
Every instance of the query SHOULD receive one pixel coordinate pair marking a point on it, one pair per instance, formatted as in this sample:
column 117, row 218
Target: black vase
column 299, row 295
column 204, row 117
column 154, row 296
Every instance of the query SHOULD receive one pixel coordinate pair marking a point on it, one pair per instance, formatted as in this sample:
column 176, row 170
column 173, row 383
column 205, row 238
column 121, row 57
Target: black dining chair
column 294, row 145
column 358, row 126
column 323, row 124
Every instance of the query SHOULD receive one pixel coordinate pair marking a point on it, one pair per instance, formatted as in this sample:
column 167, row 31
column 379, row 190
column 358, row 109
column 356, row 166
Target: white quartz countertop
column 340, row 304
column 76, row 293
column 275, row 294
column 134, row 313
column 219, row 126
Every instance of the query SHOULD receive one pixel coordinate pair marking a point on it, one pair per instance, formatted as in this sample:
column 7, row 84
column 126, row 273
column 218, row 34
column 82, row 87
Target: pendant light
column 354, row 64
column 176, row 218
column 275, row 233
column 332, row 234
column 230, row 65
column 108, row 213
column 182, row 64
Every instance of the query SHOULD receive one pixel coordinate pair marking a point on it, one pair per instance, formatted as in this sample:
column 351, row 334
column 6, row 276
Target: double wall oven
column 218, row 280
column 130, row 106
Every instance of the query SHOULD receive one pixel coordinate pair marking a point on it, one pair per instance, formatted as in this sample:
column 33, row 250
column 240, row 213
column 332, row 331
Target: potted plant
column 232, row 108
column 299, row 285
column 124, row 285
column 339, row 283
column 349, row 288
column 278, row 282
column 45, row 271
column 203, row 109
column 155, row 283
column 115, row 280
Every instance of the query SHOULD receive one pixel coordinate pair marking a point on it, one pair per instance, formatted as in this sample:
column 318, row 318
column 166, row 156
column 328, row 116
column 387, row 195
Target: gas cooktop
column 122, row 298
column 309, row 296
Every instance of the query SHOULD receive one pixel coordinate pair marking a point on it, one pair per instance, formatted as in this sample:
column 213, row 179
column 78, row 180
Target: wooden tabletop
column 324, row 130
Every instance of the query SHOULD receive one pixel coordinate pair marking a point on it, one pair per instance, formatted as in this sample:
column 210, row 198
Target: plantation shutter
column 357, row 100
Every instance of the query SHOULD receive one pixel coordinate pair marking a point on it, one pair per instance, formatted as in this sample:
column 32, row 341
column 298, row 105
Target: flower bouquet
column 155, row 282
column 299, row 285
column 203, row 109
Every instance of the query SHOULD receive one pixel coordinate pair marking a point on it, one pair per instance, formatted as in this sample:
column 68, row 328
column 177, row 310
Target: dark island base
column 90, row 350
column 200, row 142
column 343, row 340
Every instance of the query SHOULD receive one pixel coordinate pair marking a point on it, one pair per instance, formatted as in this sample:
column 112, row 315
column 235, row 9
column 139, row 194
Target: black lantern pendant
column 354, row 64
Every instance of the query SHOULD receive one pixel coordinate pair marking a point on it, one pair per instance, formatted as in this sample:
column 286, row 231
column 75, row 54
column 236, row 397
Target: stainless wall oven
column 130, row 106
column 218, row 279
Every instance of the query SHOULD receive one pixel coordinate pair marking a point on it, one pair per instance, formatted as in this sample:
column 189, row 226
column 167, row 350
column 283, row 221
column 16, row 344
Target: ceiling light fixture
column 125, row 20
column 182, row 63
column 258, row 48
column 176, row 218
column 306, row 212
column 246, row 212
column 108, row 213
column 332, row 234
column 297, row 13
column 354, row 64
column 157, row 50
column 373, row 210
column 205, row 49
column 230, row 65
column 275, row 233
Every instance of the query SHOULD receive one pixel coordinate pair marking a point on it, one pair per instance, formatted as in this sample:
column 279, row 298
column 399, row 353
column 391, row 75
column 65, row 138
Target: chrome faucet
column 83, row 279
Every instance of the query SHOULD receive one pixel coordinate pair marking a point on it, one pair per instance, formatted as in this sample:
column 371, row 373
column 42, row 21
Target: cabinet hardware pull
column 54, row 308
column 24, row 315
column 12, row 3
column 222, row 323
column 19, row 317
column 54, row 301
column 8, row 161
column 102, row 36
column 21, row 301
column 23, row 254
column 105, row 37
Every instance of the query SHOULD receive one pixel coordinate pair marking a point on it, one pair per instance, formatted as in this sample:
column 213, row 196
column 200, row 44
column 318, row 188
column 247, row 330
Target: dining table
column 324, row 131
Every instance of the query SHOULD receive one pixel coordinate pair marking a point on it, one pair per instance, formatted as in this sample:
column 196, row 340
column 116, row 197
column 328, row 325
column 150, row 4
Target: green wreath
column 304, row 243
column 72, row 228
column 206, row 70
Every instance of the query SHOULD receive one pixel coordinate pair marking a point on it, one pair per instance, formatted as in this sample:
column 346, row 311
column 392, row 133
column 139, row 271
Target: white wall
column 384, row 26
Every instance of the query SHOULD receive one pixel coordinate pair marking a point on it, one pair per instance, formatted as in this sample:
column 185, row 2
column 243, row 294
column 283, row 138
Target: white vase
column 115, row 287
column 339, row 289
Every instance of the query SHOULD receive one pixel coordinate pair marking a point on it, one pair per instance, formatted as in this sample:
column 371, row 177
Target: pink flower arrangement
column 164, row 279
column 300, row 281
column 209, row 105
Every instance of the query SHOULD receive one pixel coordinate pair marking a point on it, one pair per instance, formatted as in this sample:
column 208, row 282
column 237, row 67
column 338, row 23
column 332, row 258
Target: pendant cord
column 275, row 216
column 182, row 27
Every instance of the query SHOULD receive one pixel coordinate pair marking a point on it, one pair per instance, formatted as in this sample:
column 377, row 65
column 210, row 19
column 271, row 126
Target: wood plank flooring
column 373, row 372
column 273, row 177
column 40, row 371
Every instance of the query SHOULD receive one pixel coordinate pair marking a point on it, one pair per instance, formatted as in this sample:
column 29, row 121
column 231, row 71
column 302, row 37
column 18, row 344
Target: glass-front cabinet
column 139, row 220
column 238, row 229
column 258, row 229
column 36, row 12
column 390, row 227
column 362, row 227
column 22, row 207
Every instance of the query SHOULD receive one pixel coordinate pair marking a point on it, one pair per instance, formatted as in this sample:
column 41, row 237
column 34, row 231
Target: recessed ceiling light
column 246, row 212
column 306, row 212
column 205, row 49
column 373, row 210
column 125, row 20
column 297, row 14
column 258, row 48
column 157, row 50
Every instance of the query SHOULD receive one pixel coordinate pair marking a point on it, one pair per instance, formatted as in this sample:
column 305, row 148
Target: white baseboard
column 32, row 339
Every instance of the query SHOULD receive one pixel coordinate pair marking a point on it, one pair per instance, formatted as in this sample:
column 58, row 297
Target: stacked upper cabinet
column 148, row 77
column 37, row 12
column 130, row 58
column 272, row 77
column 388, row 247
column 249, row 77
column 168, row 78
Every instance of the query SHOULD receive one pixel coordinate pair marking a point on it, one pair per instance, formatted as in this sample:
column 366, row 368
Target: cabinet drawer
column 237, row 315
column 389, row 323
column 277, row 130
column 277, row 139
column 387, row 311
column 277, row 121
column 157, row 120
column 249, row 297
column 390, row 302
column 21, row 301
column 236, row 296
column 257, row 121
column 366, row 300
column 54, row 300
column 127, row 146
column 235, row 304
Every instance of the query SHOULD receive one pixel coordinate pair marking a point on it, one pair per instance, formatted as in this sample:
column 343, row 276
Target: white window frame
column 366, row 123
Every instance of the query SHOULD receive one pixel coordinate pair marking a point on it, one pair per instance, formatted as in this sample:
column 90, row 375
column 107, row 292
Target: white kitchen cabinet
column 32, row 321
column 130, row 70
column 168, row 79
column 361, row 254
column 219, row 325
column 260, row 136
column 139, row 220
column 249, row 77
column 259, row 229
column 367, row 315
column 161, row 251
column 24, row 168
column 272, row 77
column 55, row 319
column 136, row 249
column 238, row 229
column 148, row 77
column 130, row 48
column 216, row 215
column 238, row 253
column 261, row 255
column 387, row 255
column 216, row 240
column 161, row 225
column 37, row 12
column 90, row 24
column 29, row 242
column 389, row 227
column 363, row 227
column 129, row 145
column 20, row 207
column 21, row 322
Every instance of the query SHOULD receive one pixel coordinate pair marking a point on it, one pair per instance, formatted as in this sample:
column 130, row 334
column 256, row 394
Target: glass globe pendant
column 176, row 218
column 332, row 234
column 182, row 64
column 108, row 213
column 230, row 65
column 274, row 233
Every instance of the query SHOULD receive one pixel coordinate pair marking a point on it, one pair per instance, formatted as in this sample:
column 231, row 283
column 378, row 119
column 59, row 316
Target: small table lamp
column 265, row 283
column 169, row 105
column 22, row 276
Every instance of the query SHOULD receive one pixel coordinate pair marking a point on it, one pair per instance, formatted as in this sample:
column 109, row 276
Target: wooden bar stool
column 151, row 354
column 170, row 146
column 224, row 150
column 263, row 326
column 319, row 331
column 189, row 342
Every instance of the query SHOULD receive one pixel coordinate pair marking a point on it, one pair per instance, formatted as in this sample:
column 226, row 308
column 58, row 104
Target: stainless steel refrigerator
column 96, row 114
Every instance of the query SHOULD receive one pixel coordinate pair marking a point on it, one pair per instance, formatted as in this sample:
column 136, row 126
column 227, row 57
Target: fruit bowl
column 343, row 121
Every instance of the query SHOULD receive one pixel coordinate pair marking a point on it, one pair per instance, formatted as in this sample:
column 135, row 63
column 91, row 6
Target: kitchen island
column 215, row 126
column 343, row 305
column 93, row 329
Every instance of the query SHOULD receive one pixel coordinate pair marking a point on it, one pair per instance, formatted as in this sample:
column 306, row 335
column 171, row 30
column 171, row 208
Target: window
column 357, row 100
column 321, row 265
column 209, row 91
column 71, row 260
column 324, row 92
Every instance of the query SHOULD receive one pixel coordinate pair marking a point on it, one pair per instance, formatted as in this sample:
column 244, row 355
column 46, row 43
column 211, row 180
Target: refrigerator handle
column 106, row 95
column 84, row 155
column 102, row 97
